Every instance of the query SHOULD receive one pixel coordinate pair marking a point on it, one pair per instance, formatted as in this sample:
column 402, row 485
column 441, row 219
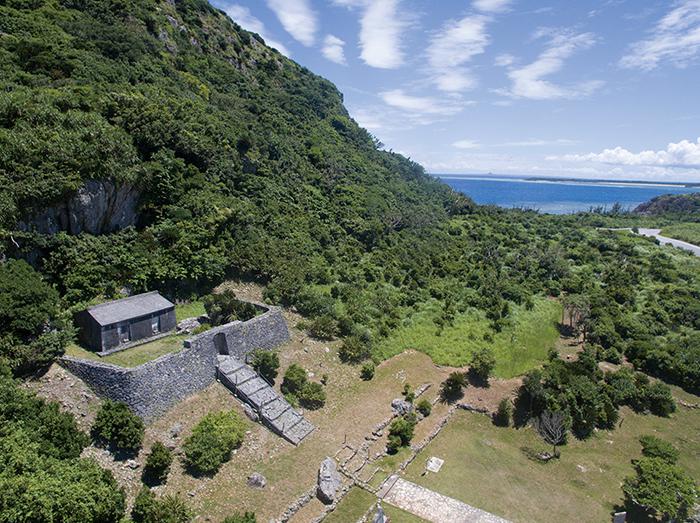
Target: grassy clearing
column 190, row 309
column 518, row 348
column 486, row 466
column 358, row 501
column 687, row 232
column 135, row 356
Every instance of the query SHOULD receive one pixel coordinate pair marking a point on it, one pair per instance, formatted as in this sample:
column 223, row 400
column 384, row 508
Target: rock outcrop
column 328, row 481
column 98, row 207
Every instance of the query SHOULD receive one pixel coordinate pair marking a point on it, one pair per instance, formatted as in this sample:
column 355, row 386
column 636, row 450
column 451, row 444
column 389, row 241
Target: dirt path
column 663, row 240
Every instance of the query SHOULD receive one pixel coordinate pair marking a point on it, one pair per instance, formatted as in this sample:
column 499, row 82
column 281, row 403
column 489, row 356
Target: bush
column 393, row 444
column 451, row 388
column 354, row 350
column 401, row 431
column 116, row 425
column 424, row 407
column 324, row 327
column 659, row 399
column 168, row 509
column 367, row 371
column 158, row 463
column 312, row 396
column 294, row 379
column 482, row 364
column 212, row 440
column 504, row 413
column 246, row 517
column 653, row 447
column 224, row 308
column 266, row 363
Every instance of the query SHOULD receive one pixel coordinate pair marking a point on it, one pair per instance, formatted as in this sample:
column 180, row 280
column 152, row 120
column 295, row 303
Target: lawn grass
column 518, row 348
column 358, row 501
column 486, row 466
column 190, row 309
column 687, row 232
column 136, row 355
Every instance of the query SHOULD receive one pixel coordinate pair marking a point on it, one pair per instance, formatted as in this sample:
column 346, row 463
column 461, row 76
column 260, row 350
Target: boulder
column 401, row 406
column 379, row 515
column 188, row 325
column 250, row 412
column 257, row 480
column 328, row 481
column 176, row 430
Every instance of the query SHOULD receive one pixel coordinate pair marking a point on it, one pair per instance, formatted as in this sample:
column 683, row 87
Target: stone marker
column 379, row 515
column 434, row 464
column 257, row 480
column 328, row 481
column 620, row 517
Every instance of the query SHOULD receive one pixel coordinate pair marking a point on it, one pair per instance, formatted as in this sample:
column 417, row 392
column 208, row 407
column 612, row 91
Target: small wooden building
column 109, row 325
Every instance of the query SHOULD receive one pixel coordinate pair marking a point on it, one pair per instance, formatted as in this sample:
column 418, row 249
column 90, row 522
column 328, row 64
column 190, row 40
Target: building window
column 155, row 325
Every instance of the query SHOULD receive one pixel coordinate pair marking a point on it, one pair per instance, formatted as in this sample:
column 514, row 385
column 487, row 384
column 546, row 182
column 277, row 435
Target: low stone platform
column 275, row 412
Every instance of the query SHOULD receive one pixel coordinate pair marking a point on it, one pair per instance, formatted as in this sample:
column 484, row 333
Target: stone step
column 275, row 409
column 263, row 396
column 250, row 387
column 299, row 431
column 286, row 421
column 229, row 365
column 242, row 375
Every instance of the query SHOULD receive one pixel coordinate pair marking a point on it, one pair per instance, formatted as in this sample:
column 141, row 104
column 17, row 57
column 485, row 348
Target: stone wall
column 152, row 388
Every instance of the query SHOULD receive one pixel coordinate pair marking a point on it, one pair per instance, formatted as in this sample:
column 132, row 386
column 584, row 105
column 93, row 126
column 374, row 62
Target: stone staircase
column 274, row 411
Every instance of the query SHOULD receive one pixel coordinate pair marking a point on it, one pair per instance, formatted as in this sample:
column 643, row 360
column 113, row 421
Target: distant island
column 553, row 179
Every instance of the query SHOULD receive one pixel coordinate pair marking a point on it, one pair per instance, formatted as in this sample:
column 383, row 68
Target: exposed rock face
column 402, row 407
column 99, row 207
column 257, row 480
column 328, row 481
column 188, row 325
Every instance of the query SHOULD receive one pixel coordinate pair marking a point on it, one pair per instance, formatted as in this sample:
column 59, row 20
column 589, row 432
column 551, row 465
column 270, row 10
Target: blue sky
column 597, row 89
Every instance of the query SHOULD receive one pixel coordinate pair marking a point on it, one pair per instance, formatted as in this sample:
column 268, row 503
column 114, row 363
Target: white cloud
column 466, row 144
column 674, row 39
column 297, row 18
column 457, row 42
column 243, row 17
column 504, row 60
column 420, row 105
column 333, row 49
column 537, row 143
column 491, row 6
column 381, row 26
column 684, row 154
column 529, row 81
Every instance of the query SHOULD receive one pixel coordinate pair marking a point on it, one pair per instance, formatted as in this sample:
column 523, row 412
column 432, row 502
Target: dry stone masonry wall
column 152, row 388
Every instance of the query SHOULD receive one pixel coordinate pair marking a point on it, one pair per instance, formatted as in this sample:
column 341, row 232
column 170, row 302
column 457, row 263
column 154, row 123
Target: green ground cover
column 488, row 466
column 687, row 232
column 190, row 309
column 136, row 355
column 519, row 347
column 358, row 501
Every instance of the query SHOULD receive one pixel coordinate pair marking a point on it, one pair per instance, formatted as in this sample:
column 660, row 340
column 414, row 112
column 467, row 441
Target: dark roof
column 128, row 308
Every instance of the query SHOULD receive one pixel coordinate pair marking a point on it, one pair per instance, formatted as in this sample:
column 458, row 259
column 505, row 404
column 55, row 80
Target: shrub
column 659, row 399
column 212, row 440
column 402, row 429
column 168, row 509
column 294, row 379
column 224, row 308
column 504, row 413
column 482, row 364
column 158, row 463
column 393, row 444
column 266, row 363
column 312, row 396
column 354, row 350
column 118, row 426
column 653, row 447
column 324, row 327
column 451, row 388
column 367, row 371
column 424, row 407
column 246, row 517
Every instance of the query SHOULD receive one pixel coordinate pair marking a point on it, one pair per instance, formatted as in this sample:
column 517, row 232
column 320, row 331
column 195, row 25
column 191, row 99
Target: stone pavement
column 274, row 411
column 432, row 506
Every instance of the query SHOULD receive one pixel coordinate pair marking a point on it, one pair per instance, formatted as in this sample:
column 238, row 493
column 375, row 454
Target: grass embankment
column 358, row 501
column 522, row 345
column 190, row 309
column 136, row 355
column 487, row 466
column 687, row 232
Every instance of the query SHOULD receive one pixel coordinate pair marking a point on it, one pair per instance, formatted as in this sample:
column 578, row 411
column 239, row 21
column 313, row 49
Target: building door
column 155, row 325
column 221, row 344
column 123, row 332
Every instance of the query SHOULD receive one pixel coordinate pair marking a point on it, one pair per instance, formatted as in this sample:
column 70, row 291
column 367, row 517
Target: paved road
column 434, row 507
column 656, row 233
